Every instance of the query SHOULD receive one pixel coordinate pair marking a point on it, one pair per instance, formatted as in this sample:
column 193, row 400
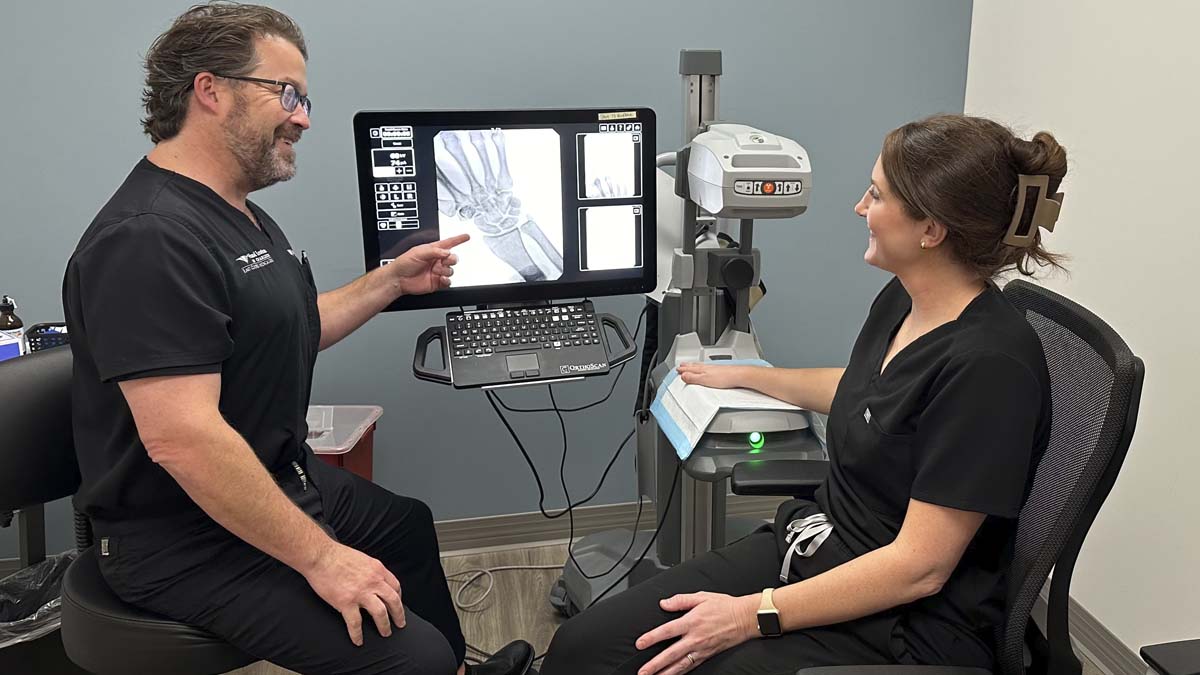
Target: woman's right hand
column 717, row 377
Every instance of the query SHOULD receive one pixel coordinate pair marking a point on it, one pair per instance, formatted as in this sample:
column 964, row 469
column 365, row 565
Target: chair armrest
column 893, row 669
column 782, row 477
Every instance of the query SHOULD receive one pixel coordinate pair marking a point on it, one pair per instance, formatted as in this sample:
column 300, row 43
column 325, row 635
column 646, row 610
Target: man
column 195, row 327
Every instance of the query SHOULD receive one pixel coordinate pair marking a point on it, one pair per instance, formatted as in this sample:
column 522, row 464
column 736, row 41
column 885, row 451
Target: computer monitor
column 559, row 203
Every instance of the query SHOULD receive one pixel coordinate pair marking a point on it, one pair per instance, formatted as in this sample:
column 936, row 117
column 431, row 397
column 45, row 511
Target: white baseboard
column 1090, row 638
column 520, row 529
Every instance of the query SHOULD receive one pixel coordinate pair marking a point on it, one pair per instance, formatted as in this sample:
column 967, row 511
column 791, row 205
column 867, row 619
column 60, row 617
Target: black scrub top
column 959, row 418
column 171, row 279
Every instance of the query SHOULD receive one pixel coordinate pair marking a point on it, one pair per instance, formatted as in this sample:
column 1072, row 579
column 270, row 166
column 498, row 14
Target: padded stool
column 105, row 635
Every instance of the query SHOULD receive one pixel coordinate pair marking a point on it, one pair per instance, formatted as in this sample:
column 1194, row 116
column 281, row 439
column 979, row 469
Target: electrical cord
column 562, row 425
column 637, row 521
column 661, row 519
column 473, row 575
column 568, row 510
column 571, row 505
column 497, row 403
column 537, row 478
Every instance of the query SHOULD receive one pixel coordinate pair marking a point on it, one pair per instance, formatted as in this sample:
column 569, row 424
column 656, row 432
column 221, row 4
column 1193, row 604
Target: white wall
column 1116, row 82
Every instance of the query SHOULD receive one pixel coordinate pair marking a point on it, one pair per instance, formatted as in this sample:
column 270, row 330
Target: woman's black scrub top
column 959, row 418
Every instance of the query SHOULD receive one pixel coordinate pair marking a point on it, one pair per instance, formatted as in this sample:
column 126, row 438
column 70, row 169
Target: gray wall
column 833, row 75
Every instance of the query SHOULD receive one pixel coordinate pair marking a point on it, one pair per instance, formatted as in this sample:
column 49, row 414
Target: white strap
column 815, row 529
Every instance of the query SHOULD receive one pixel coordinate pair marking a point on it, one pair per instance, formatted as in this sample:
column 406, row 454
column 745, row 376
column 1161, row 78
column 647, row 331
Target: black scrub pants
column 601, row 639
column 198, row 573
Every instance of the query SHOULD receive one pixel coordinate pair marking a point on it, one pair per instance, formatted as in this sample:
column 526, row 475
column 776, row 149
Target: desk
column 348, row 440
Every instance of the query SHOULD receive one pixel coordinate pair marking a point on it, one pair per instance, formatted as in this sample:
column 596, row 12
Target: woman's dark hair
column 217, row 37
column 961, row 171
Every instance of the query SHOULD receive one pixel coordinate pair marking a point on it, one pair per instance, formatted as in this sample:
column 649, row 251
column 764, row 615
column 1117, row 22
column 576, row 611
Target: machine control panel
column 768, row 188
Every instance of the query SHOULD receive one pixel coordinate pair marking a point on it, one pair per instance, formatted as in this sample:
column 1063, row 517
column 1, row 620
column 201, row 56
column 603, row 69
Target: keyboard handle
column 423, row 372
column 629, row 347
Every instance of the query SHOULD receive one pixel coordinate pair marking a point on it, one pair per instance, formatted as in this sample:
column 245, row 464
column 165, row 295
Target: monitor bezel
column 523, row 292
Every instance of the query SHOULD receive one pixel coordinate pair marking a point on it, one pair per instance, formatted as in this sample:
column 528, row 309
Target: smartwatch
column 768, row 616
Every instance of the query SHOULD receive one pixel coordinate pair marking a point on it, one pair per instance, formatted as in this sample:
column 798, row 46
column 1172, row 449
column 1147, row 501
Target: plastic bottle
column 11, row 325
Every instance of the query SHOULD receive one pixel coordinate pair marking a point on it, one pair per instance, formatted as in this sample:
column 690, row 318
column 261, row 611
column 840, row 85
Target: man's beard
column 262, row 162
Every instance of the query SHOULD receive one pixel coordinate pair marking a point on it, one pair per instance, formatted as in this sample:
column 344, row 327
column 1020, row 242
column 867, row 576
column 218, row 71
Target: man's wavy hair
column 217, row 37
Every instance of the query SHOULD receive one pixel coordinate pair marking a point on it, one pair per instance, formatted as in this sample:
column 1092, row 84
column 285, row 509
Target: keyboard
column 516, row 345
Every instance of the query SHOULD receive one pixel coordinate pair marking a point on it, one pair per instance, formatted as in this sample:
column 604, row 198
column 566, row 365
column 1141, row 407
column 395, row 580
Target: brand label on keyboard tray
column 585, row 368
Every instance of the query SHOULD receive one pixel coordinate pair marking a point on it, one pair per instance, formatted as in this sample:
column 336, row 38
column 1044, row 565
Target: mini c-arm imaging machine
column 726, row 177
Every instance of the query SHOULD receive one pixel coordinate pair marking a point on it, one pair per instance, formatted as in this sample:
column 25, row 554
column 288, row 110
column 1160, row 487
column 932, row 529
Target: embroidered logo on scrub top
column 254, row 260
column 867, row 415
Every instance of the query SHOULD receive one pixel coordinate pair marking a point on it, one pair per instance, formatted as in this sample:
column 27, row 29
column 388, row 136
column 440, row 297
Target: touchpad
column 522, row 362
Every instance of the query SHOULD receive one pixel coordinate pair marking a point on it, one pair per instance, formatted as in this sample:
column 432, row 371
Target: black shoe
column 515, row 658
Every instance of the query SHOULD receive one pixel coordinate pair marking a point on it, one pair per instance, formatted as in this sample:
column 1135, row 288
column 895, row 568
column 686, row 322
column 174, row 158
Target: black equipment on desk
column 46, row 335
column 519, row 345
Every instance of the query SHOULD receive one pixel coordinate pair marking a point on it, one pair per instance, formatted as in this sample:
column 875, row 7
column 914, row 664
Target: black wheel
column 560, row 601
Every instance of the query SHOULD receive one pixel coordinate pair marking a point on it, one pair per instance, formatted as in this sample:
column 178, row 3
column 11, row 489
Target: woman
column 935, row 426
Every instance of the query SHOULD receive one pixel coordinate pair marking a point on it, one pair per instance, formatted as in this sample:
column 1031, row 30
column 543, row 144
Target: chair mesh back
column 1092, row 383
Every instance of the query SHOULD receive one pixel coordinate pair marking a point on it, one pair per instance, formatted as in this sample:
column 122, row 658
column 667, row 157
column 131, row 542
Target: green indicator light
column 756, row 440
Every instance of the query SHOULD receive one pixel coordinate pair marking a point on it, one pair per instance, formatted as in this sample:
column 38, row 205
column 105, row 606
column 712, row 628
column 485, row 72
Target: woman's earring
column 922, row 244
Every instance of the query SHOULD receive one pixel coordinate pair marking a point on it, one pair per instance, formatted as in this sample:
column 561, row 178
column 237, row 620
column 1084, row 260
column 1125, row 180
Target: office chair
column 1096, row 386
column 37, row 465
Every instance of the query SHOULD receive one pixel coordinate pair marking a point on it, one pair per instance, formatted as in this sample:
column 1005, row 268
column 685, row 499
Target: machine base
column 573, row 592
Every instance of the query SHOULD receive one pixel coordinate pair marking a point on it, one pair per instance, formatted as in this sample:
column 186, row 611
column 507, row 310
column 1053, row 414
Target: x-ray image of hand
column 607, row 186
column 476, row 185
column 609, row 166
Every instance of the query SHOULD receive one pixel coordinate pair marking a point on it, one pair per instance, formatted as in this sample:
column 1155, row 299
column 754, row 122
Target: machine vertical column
column 701, row 71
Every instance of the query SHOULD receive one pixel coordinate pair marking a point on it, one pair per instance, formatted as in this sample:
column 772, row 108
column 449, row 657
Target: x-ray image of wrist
column 480, row 174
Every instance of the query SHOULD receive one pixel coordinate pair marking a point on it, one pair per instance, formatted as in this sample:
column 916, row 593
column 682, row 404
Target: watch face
column 768, row 624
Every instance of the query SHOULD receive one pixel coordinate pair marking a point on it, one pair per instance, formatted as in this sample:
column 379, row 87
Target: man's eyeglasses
column 289, row 97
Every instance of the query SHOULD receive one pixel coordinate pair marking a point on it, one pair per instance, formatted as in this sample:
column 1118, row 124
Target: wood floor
column 517, row 606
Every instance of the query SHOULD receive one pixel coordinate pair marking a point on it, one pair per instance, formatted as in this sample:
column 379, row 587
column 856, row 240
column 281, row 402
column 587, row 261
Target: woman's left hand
column 714, row 622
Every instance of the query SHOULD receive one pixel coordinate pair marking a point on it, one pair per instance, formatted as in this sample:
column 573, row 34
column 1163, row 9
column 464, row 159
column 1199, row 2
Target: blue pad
column 669, row 426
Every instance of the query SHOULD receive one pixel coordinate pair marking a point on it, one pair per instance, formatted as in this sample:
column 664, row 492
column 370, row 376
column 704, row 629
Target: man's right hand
column 351, row 581
column 717, row 377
